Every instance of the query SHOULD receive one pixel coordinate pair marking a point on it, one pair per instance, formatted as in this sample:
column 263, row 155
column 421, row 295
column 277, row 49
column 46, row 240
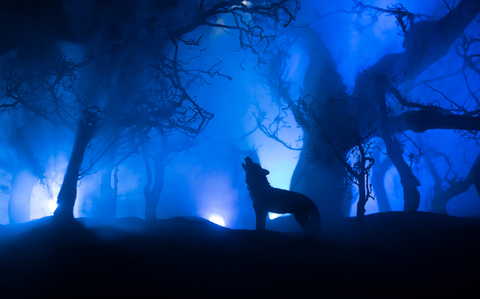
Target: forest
column 126, row 123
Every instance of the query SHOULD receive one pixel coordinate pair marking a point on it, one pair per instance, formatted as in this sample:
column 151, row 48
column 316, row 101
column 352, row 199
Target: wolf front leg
column 261, row 218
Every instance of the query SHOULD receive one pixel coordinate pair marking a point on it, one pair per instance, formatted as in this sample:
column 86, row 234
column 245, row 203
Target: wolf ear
column 248, row 160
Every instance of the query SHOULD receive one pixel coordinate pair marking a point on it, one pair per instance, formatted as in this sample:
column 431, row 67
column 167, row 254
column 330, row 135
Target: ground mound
column 392, row 254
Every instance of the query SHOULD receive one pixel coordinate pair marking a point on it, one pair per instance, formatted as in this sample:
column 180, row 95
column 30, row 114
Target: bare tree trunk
column 322, row 180
column 68, row 191
column 409, row 181
column 113, row 198
column 105, row 206
column 476, row 174
column 362, row 197
column 378, row 178
column 152, row 197
column 153, row 192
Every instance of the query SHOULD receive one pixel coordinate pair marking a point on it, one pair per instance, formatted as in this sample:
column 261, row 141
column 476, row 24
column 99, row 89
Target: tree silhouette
column 426, row 40
column 129, row 85
column 161, row 153
column 357, row 147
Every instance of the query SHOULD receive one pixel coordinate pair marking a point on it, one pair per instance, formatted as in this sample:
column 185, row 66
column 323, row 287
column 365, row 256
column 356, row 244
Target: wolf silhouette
column 269, row 199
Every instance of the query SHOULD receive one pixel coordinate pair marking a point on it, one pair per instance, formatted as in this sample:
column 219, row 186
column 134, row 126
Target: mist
column 207, row 178
column 148, row 109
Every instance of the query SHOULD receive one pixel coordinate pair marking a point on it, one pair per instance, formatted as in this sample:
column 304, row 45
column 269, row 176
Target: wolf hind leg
column 302, row 219
column 309, row 221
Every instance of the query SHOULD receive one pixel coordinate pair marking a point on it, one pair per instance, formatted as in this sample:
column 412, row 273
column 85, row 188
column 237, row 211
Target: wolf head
column 253, row 170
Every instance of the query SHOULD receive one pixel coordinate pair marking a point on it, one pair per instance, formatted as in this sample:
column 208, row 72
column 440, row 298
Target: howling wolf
column 268, row 199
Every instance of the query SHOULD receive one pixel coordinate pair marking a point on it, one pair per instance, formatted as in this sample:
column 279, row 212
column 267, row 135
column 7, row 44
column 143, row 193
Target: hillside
column 394, row 255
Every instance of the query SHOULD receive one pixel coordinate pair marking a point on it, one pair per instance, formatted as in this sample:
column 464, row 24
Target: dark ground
column 408, row 255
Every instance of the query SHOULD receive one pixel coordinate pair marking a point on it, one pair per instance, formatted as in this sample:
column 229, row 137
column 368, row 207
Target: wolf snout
column 248, row 160
column 254, row 167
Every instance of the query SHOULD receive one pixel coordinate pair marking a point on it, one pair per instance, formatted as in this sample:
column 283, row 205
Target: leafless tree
column 375, row 89
column 161, row 154
column 140, row 81
column 354, row 151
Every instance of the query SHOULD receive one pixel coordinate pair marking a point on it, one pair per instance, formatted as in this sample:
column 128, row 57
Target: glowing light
column 52, row 205
column 247, row 3
column 217, row 219
column 272, row 216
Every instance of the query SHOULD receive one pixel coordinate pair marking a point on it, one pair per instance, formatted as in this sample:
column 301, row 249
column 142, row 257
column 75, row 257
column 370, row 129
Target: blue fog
column 208, row 180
